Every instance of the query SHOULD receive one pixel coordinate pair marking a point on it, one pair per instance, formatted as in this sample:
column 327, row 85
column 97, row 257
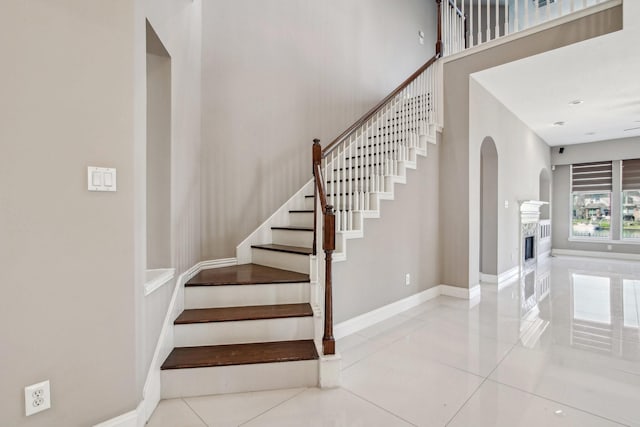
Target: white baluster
column 559, row 8
column 506, row 17
column 334, row 187
column 537, row 6
column 573, row 6
column 479, row 22
column 488, row 20
column 548, row 10
column 497, row 32
column 527, row 22
column 351, row 187
column 471, row 27
column 584, row 4
column 516, row 23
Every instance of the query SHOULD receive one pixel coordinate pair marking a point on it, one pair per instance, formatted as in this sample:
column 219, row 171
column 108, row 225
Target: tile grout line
column 484, row 380
column 377, row 406
column 558, row 402
column 273, row 407
column 194, row 411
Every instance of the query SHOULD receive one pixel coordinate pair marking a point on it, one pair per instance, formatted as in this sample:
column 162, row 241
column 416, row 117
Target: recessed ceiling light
column 590, row 133
column 559, row 123
column 576, row 102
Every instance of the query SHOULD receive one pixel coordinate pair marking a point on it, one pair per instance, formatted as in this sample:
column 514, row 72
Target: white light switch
column 506, row 204
column 96, row 179
column 101, row 179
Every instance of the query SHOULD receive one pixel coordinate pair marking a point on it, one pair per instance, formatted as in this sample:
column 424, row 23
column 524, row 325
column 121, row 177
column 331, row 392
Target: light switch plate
column 101, row 179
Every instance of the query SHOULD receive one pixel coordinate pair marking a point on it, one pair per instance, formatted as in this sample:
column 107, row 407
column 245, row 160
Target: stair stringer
column 342, row 237
column 263, row 233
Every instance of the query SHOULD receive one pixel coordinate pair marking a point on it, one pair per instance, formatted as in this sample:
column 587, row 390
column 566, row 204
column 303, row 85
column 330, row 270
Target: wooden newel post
column 316, row 155
column 329, row 244
column 439, row 46
column 466, row 32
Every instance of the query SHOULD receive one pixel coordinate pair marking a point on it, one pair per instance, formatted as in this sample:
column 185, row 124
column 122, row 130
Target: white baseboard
column 133, row 418
column 488, row 278
column 544, row 255
column 509, row 274
column 365, row 320
column 370, row 318
column 152, row 385
column 456, row 292
column 594, row 254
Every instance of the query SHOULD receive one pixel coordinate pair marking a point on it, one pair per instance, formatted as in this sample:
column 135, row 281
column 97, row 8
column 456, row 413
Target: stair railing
column 454, row 24
column 492, row 19
column 358, row 166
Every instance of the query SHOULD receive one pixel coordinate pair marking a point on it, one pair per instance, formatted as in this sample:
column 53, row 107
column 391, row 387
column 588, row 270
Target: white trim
column 595, row 254
column 591, row 10
column 372, row 317
column 506, row 276
column 216, row 263
column 501, row 279
column 130, row 419
column 457, row 292
column 488, row 278
column 263, row 232
column 544, row 255
column 365, row 320
column 161, row 276
column 603, row 240
column 152, row 385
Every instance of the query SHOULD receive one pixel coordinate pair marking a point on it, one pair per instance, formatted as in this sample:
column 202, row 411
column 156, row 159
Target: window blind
column 595, row 176
column 631, row 174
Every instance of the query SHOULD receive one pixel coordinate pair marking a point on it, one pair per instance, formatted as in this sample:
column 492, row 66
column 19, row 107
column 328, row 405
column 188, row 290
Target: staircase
column 254, row 326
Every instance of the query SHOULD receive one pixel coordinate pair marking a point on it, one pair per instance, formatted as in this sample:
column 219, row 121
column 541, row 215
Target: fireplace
column 529, row 248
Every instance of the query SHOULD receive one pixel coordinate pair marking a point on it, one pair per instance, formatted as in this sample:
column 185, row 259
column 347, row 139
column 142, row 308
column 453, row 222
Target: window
column 631, row 199
column 591, row 185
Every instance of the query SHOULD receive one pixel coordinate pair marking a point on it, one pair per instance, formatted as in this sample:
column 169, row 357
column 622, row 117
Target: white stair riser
column 301, row 219
column 283, row 260
column 245, row 331
column 238, row 378
column 308, row 203
column 241, row 295
column 293, row 238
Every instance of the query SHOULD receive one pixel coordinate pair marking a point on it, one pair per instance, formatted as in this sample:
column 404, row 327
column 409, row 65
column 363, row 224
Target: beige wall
column 178, row 26
column 404, row 240
column 522, row 155
column 73, row 261
column 67, row 312
column 459, row 266
column 278, row 73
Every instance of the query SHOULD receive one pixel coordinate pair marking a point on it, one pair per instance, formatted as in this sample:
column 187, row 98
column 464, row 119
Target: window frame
column 571, row 218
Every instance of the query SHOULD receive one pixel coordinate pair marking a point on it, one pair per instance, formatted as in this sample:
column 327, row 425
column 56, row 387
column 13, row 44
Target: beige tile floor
column 450, row 362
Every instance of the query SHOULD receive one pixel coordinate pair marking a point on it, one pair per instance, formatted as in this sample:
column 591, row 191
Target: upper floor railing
column 469, row 23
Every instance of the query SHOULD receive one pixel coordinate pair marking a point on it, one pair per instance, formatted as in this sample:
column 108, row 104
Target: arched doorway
column 488, row 208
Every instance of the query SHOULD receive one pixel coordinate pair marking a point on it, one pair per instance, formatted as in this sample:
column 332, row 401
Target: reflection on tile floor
column 571, row 360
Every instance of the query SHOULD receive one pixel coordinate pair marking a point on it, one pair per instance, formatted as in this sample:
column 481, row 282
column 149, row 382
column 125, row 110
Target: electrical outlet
column 37, row 398
column 407, row 279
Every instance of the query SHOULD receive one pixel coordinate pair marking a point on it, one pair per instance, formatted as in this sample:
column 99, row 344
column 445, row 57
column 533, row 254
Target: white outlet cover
column 37, row 398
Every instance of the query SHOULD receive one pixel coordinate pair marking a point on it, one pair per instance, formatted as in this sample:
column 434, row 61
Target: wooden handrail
column 328, row 245
column 362, row 120
column 320, row 192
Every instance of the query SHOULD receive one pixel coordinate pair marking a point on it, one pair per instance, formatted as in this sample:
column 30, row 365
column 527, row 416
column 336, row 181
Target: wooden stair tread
column 293, row 228
column 255, row 312
column 245, row 274
column 285, row 248
column 240, row 354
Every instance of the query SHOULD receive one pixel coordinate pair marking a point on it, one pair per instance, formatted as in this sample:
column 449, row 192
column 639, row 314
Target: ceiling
column 603, row 72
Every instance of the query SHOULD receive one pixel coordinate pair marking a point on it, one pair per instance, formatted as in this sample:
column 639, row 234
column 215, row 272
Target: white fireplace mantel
column 530, row 210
